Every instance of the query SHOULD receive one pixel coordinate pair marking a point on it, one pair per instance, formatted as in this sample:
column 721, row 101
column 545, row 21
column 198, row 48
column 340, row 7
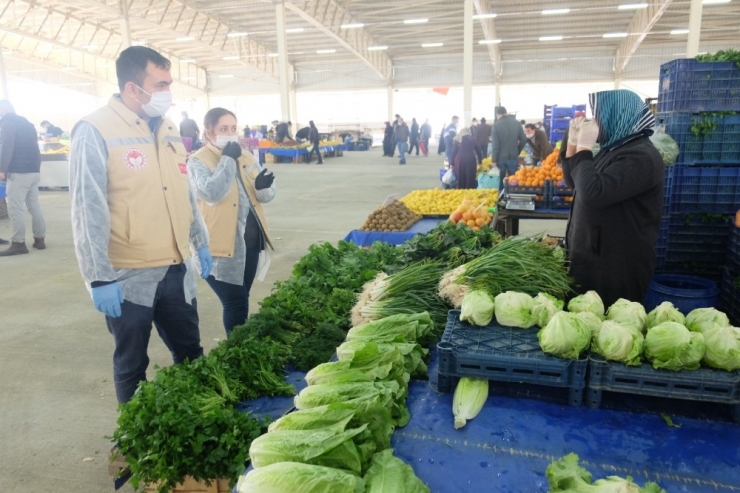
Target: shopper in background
column 282, row 131
column 537, row 140
column 51, row 130
column 189, row 129
column 388, row 140
column 402, row 139
column 618, row 202
column 394, row 142
column 135, row 219
column 465, row 159
column 508, row 140
column 231, row 186
column 449, row 135
column 302, row 134
column 315, row 139
column 441, row 145
column 425, row 133
column 483, row 137
column 414, row 137
column 20, row 166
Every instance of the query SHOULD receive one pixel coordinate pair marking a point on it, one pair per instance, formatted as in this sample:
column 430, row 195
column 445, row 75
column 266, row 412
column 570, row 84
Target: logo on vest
column 134, row 159
column 183, row 168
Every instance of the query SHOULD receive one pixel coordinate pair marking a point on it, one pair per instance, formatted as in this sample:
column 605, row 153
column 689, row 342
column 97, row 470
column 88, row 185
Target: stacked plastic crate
column 730, row 287
column 696, row 104
column 557, row 118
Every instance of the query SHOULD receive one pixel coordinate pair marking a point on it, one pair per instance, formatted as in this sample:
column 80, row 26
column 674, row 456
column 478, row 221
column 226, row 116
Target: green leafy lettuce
column 590, row 301
column 514, row 309
column 544, row 307
column 283, row 477
column 469, row 398
column 618, row 342
column 565, row 336
column 628, row 312
column 567, row 476
column 477, row 308
column 723, row 347
column 388, row 474
column 665, row 312
column 672, row 346
column 702, row 319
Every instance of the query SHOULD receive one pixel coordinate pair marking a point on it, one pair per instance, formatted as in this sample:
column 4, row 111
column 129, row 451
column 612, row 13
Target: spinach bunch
column 453, row 244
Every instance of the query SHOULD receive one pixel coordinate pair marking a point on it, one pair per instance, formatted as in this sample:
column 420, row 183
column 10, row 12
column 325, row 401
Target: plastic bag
column 666, row 146
column 486, row 181
column 449, row 177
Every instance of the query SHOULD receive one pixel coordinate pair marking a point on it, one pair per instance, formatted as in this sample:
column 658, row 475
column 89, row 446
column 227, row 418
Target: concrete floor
column 57, row 401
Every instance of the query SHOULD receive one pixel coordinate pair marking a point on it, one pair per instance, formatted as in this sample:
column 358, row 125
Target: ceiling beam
column 640, row 26
column 489, row 33
column 356, row 40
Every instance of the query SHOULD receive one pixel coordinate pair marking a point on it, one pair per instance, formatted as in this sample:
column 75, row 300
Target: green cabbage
column 292, row 477
column 477, row 308
column 672, row 346
column 723, row 347
column 544, row 308
column 617, row 342
column 514, row 309
column 704, row 318
column 592, row 321
column 567, row 476
column 665, row 312
column 389, row 474
column 566, row 336
column 590, row 301
column 470, row 395
column 628, row 312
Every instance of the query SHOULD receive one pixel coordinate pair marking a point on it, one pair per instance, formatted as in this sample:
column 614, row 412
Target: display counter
column 506, row 221
column 54, row 171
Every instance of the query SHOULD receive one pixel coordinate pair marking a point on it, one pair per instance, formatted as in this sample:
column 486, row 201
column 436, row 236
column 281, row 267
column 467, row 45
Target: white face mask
column 222, row 140
column 158, row 105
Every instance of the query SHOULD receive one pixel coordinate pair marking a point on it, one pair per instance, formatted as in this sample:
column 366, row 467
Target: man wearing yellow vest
column 135, row 219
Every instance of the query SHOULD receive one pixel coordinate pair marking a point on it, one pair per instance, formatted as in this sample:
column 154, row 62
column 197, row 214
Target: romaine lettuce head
column 514, row 309
column 628, row 312
column 565, row 336
column 617, row 342
column 723, row 347
column 705, row 318
column 592, row 321
column 590, row 301
column 477, row 308
column 469, row 398
column 567, row 476
column 544, row 307
column 665, row 312
column 672, row 346
column 389, row 474
column 283, row 477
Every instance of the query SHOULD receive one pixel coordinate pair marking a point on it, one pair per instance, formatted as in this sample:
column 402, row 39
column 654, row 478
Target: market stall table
column 367, row 238
column 506, row 221
column 54, row 171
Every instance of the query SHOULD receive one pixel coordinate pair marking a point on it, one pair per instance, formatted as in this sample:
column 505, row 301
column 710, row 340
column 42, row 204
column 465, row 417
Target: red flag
column 441, row 90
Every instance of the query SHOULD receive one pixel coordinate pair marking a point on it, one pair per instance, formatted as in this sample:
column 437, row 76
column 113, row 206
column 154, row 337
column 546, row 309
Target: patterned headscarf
column 463, row 132
column 619, row 114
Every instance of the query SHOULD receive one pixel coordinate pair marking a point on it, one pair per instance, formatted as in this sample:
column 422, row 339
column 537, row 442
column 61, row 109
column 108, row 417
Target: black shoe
column 3, row 242
column 320, row 162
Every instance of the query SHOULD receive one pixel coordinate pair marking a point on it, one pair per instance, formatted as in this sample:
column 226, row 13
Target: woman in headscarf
column 388, row 140
column 618, row 201
column 465, row 158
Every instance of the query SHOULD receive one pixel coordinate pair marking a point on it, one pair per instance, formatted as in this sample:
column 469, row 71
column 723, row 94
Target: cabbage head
column 514, row 309
column 544, row 308
column 723, row 347
column 565, row 336
column 590, row 301
column 477, row 308
column 672, row 346
column 593, row 322
column 704, row 318
column 628, row 312
column 665, row 312
column 617, row 342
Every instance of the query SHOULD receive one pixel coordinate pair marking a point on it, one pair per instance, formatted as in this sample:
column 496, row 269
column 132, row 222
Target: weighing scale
column 520, row 202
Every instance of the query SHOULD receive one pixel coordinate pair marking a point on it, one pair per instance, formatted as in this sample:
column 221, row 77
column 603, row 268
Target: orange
column 470, row 223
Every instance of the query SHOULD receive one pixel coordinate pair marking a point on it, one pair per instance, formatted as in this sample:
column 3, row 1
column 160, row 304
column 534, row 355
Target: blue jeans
column 402, row 149
column 507, row 167
column 176, row 322
column 315, row 149
column 233, row 298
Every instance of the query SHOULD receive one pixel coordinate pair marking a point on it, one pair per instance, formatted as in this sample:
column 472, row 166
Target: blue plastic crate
column 562, row 112
column 704, row 384
column 696, row 189
column 579, row 107
column 718, row 146
column 3, row 191
column 556, row 135
column 698, row 267
column 689, row 85
column 559, row 123
column 734, row 242
column 730, row 295
column 504, row 354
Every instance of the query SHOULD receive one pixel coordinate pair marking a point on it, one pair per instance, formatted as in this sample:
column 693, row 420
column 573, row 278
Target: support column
column 208, row 91
column 467, row 63
column 497, row 98
column 293, row 102
column 125, row 24
column 617, row 83
column 692, row 47
column 282, row 43
column 3, row 75
column 390, row 104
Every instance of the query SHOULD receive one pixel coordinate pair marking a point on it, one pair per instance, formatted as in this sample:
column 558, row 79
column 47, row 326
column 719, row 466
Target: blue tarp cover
column 367, row 238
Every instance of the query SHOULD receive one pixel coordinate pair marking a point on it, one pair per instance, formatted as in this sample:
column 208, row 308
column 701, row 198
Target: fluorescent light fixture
column 555, row 11
column 232, row 57
column 377, row 48
column 632, row 6
column 680, row 31
column 415, row 21
column 353, row 25
column 484, row 16
column 432, row 45
column 294, row 30
column 236, row 34
column 489, row 41
column 715, row 2
column 325, row 52
column 273, row 54
column 186, row 38
column 551, row 38
column 187, row 60
column 616, row 35
column 226, row 76
column 296, row 53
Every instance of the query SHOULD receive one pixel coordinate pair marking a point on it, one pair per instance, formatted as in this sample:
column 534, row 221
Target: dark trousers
column 483, row 150
column 315, row 149
column 235, row 299
column 176, row 322
column 507, row 167
column 414, row 143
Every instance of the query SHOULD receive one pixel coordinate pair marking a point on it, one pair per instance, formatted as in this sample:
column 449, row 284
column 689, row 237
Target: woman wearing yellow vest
column 231, row 187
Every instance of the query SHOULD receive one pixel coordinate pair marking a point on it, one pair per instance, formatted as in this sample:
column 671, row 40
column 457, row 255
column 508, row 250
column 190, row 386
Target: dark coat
column 414, row 131
column 615, row 219
column 303, row 133
column 19, row 147
column 314, row 136
column 541, row 147
column 425, row 131
column 508, row 139
column 465, row 159
column 402, row 133
column 282, row 132
column 483, row 134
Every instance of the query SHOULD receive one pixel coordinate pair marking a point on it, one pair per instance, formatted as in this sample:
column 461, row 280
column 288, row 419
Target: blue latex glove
column 107, row 299
column 206, row 262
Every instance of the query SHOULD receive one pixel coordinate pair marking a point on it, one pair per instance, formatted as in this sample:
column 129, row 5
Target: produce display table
column 506, row 221
column 367, row 238
column 327, row 151
column 54, row 171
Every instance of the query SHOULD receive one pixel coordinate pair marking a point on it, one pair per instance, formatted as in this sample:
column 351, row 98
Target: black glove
column 263, row 180
column 233, row 150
